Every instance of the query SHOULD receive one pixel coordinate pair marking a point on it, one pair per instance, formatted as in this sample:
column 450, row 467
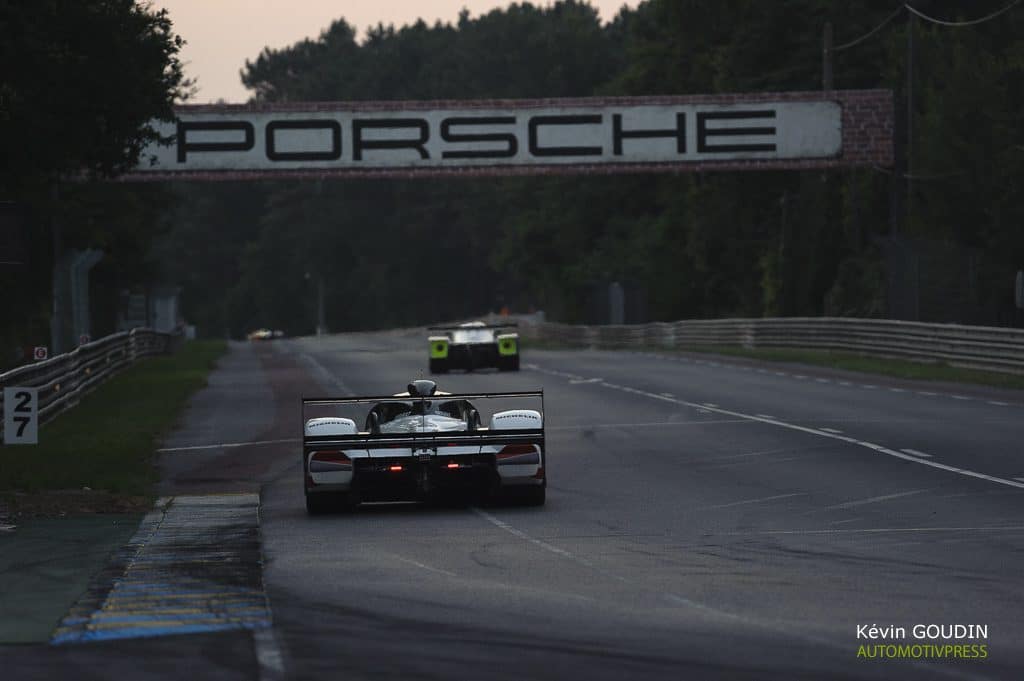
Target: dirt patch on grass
column 16, row 506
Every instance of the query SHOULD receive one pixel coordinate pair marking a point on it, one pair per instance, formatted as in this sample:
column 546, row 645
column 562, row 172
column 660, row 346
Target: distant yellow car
column 264, row 334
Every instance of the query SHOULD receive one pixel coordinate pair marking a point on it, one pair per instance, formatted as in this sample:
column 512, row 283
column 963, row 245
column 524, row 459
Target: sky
column 222, row 34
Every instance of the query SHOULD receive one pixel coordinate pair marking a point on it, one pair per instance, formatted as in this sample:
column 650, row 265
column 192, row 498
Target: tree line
column 778, row 243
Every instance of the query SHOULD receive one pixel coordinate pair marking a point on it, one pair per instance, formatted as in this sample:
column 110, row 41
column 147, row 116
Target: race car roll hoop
column 421, row 445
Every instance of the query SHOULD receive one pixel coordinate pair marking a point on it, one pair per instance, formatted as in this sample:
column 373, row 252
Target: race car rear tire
column 439, row 366
column 319, row 504
column 510, row 363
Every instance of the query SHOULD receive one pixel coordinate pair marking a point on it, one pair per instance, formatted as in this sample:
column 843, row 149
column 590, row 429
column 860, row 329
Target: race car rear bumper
column 410, row 478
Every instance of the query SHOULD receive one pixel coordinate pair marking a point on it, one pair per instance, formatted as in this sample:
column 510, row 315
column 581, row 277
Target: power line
column 922, row 15
column 873, row 31
column 972, row 22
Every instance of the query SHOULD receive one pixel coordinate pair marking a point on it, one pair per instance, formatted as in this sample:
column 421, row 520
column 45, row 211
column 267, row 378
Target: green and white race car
column 473, row 345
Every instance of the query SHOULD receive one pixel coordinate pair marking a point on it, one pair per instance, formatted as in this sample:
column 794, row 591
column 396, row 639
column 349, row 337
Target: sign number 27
column 21, row 416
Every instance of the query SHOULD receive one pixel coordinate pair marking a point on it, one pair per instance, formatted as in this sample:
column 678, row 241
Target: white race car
column 423, row 444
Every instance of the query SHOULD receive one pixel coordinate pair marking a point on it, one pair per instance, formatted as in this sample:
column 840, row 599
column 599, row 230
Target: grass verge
column 107, row 443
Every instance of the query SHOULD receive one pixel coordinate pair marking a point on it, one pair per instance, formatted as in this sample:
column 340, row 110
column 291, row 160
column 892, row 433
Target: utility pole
column 826, row 57
column 911, row 21
column 57, row 332
column 321, row 324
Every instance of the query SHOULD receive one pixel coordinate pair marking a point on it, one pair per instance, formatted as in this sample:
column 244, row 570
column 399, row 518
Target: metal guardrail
column 975, row 347
column 63, row 380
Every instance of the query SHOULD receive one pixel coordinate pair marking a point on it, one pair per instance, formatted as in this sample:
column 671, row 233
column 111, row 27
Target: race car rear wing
column 476, row 437
column 456, row 327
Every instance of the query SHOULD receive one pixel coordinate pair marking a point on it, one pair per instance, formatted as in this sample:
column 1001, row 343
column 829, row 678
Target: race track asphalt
column 705, row 520
column 681, row 539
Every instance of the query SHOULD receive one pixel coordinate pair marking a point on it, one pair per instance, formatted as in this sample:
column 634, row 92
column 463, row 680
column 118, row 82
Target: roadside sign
column 21, row 416
column 40, row 352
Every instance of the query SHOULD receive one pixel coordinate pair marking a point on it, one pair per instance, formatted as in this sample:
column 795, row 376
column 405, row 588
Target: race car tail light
column 395, row 469
column 331, row 456
column 453, row 465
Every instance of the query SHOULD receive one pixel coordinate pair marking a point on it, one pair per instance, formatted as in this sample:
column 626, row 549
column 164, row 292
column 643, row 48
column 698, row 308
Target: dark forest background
column 864, row 242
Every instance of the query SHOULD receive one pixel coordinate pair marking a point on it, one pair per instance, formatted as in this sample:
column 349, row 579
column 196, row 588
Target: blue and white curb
column 193, row 566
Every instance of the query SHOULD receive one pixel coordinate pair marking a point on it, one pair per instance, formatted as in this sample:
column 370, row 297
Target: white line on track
column 813, row 431
column 423, row 566
column 594, row 426
column 268, row 655
column 998, row 403
column 751, row 501
column 873, row 500
column 1021, row 479
column 831, row 430
column 707, row 404
column 882, row 530
column 580, row 381
column 230, row 445
column 522, row 535
column 914, row 452
column 764, row 416
column 327, row 378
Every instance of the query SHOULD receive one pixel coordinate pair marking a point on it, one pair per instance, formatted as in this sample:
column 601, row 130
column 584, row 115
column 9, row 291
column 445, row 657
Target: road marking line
column 799, row 377
column 325, row 375
column 1021, row 479
column 914, row 452
column 897, row 390
column 764, row 416
column 522, row 535
column 868, row 386
column 751, row 501
column 874, row 500
column 580, row 381
column 927, row 394
column 831, row 430
column 423, row 566
column 592, row 426
column 881, row 530
column 667, row 395
column 998, row 403
column 819, row 433
column 845, row 383
column 707, row 404
column 269, row 656
column 961, row 397
column 823, row 380
column 229, row 445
